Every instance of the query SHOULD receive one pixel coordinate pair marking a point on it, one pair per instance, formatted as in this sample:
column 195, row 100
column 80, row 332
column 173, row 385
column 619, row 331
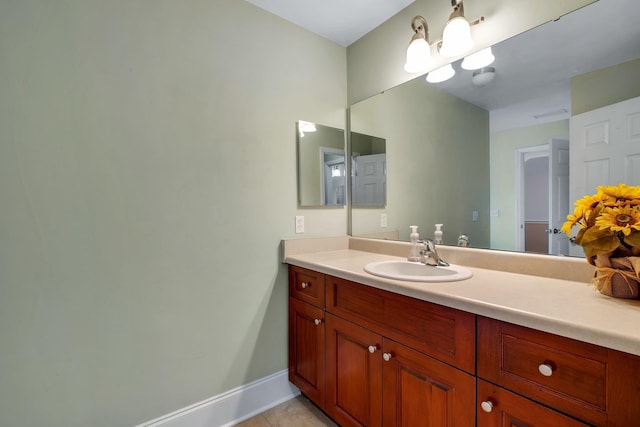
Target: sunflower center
column 623, row 219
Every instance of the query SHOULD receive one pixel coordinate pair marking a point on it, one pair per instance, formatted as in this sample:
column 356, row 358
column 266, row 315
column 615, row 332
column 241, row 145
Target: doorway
column 542, row 174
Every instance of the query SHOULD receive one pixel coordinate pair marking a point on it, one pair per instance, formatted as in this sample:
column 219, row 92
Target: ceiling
column 343, row 21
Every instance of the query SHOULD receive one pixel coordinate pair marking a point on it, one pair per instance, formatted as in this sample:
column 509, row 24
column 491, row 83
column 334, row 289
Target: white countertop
column 564, row 307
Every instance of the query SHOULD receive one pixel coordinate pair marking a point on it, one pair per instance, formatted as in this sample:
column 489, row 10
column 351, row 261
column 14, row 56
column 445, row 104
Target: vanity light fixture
column 456, row 37
column 480, row 59
column 419, row 50
column 441, row 74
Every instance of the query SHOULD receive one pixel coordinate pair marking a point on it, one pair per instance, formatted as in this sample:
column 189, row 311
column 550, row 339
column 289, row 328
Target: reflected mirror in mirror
column 463, row 155
column 321, row 165
column 368, row 170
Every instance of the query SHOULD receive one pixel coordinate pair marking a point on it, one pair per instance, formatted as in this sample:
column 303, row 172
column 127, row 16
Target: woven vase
column 617, row 276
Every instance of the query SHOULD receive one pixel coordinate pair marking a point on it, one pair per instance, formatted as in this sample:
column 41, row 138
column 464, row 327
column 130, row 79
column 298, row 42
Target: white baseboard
column 232, row 407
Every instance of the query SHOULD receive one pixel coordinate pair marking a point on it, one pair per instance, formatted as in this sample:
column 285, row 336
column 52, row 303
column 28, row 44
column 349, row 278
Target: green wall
column 603, row 87
column 147, row 176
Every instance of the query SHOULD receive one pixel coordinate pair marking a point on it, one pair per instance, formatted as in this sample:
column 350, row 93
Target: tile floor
column 297, row 412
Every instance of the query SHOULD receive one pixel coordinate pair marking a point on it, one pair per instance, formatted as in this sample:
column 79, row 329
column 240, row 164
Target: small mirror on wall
column 368, row 170
column 321, row 165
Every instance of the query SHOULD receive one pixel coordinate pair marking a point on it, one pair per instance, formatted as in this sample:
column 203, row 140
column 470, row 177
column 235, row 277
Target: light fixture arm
column 458, row 11
column 420, row 28
column 458, row 8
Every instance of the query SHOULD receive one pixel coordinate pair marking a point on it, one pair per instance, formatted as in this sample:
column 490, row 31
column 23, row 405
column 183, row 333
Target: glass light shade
column 441, row 74
column 418, row 56
column 456, row 37
column 478, row 60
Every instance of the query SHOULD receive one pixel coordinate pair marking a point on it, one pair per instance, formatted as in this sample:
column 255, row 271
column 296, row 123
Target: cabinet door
column 354, row 374
column 421, row 391
column 498, row 407
column 306, row 349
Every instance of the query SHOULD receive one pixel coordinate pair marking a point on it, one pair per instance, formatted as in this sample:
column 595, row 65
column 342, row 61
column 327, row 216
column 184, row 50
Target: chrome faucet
column 429, row 255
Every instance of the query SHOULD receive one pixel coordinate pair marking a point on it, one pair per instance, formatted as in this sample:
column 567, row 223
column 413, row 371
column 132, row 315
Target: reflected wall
column 437, row 157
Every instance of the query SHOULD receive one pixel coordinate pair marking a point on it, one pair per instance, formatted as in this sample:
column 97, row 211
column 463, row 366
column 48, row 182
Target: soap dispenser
column 414, row 252
column 437, row 235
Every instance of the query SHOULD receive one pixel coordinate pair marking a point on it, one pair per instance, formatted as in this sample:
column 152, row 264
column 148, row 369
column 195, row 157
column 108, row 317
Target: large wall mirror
column 322, row 177
column 480, row 159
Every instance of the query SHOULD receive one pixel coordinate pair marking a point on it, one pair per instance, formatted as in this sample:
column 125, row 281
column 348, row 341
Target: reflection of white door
column 605, row 150
column 370, row 180
column 558, row 195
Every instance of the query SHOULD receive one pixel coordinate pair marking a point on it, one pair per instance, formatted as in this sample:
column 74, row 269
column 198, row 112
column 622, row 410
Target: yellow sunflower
column 621, row 194
column 582, row 212
column 585, row 205
column 625, row 219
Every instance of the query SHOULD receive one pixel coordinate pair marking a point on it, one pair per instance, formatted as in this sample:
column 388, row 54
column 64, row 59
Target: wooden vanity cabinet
column 444, row 333
column 596, row 385
column 307, row 333
column 374, row 381
column 370, row 357
column 392, row 348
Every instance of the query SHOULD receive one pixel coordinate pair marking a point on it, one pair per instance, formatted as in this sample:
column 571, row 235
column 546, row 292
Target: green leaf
column 596, row 241
column 633, row 239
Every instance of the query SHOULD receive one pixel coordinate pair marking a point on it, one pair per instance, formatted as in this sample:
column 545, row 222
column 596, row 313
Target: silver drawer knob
column 305, row 285
column 487, row 406
column 386, row 356
column 372, row 348
column 545, row 369
column 317, row 321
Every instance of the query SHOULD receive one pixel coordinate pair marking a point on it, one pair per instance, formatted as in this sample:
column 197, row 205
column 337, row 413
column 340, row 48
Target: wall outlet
column 299, row 224
column 383, row 220
column 494, row 212
column 475, row 215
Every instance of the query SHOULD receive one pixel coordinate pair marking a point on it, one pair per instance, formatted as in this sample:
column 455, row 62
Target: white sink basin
column 417, row 272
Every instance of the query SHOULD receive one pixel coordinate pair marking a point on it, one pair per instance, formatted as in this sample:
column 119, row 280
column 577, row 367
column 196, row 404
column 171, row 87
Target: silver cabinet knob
column 386, row 356
column 305, row 285
column 373, row 348
column 317, row 321
column 545, row 369
column 487, row 406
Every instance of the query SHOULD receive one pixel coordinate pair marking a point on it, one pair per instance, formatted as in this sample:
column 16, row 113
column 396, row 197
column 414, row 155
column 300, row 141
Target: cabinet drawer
column 498, row 407
column 444, row 333
column 563, row 373
column 306, row 285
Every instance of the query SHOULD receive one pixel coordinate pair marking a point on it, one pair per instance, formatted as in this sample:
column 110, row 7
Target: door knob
column 545, row 369
column 305, row 285
column 317, row 321
column 386, row 357
column 487, row 406
column 373, row 348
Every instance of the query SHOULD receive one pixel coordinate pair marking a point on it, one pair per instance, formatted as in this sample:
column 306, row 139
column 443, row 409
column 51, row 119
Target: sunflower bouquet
column 609, row 233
